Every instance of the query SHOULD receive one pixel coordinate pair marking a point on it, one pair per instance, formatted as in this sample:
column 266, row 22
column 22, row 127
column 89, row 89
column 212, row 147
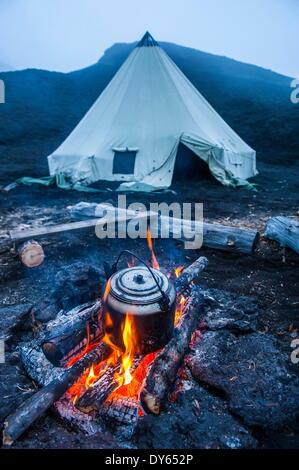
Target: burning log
column 285, row 231
column 122, row 410
column 121, row 415
column 70, row 339
column 164, row 368
column 37, row 404
column 95, row 396
column 31, row 254
column 189, row 274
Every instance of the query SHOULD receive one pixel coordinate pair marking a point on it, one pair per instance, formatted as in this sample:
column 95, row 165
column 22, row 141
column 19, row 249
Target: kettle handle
column 110, row 270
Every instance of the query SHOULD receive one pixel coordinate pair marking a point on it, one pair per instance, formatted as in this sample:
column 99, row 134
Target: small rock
column 13, row 318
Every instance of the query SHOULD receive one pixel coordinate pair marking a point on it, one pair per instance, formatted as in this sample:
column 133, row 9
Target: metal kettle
column 148, row 297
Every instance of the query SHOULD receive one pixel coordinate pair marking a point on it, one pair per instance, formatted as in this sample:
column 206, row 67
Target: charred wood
column 190, row 273
column 122, row 410
column 96, row 395
column 163, row 371
column 38, row 403
column 70, row 339
column 100, row 390
column 120, row 414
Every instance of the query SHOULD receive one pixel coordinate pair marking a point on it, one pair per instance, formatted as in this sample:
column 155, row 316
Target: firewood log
column 69, row 339
column 285, row 231
column 163, row 371
column 37, row 404
column 122, row 410
column 31, row 254
column 95, row 396
column 215, row 236
column 190, row 273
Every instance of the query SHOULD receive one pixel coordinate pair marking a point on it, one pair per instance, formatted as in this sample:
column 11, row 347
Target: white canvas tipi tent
column 133, row 130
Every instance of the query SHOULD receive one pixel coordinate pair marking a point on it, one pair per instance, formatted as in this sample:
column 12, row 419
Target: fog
column 66, row 35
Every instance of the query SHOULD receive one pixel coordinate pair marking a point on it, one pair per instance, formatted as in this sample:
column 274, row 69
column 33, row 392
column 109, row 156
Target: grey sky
column 70, row 34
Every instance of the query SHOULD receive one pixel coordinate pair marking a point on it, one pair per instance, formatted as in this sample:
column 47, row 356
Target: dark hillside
column 42, row 107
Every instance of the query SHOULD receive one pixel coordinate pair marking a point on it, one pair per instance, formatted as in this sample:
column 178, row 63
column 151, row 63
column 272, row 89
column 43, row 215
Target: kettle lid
column 136, row 285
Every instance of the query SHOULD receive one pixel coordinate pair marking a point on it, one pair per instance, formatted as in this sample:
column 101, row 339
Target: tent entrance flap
column 189, row 166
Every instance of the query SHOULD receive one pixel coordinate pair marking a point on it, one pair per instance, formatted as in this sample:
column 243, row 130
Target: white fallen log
column 20, row 235
column 285, row 231
column 216, row 236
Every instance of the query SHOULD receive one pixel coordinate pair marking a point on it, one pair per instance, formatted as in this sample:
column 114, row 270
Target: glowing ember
column 155, row 263
column 132, row 389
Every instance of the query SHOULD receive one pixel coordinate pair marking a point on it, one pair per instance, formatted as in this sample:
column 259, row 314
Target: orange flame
column 178, row 271
column 124, row 377
column 179, row 309
column 132, row 389
column 90, row 378
column 88, row 347
column 155, row 263
column 107, row 290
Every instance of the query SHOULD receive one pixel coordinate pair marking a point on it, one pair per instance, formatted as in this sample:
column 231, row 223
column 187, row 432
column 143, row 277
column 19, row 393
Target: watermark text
column 295, row 92
column 174, row 220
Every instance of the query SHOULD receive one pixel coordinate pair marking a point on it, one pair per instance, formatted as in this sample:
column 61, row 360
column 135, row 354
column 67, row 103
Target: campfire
column 118, row 358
